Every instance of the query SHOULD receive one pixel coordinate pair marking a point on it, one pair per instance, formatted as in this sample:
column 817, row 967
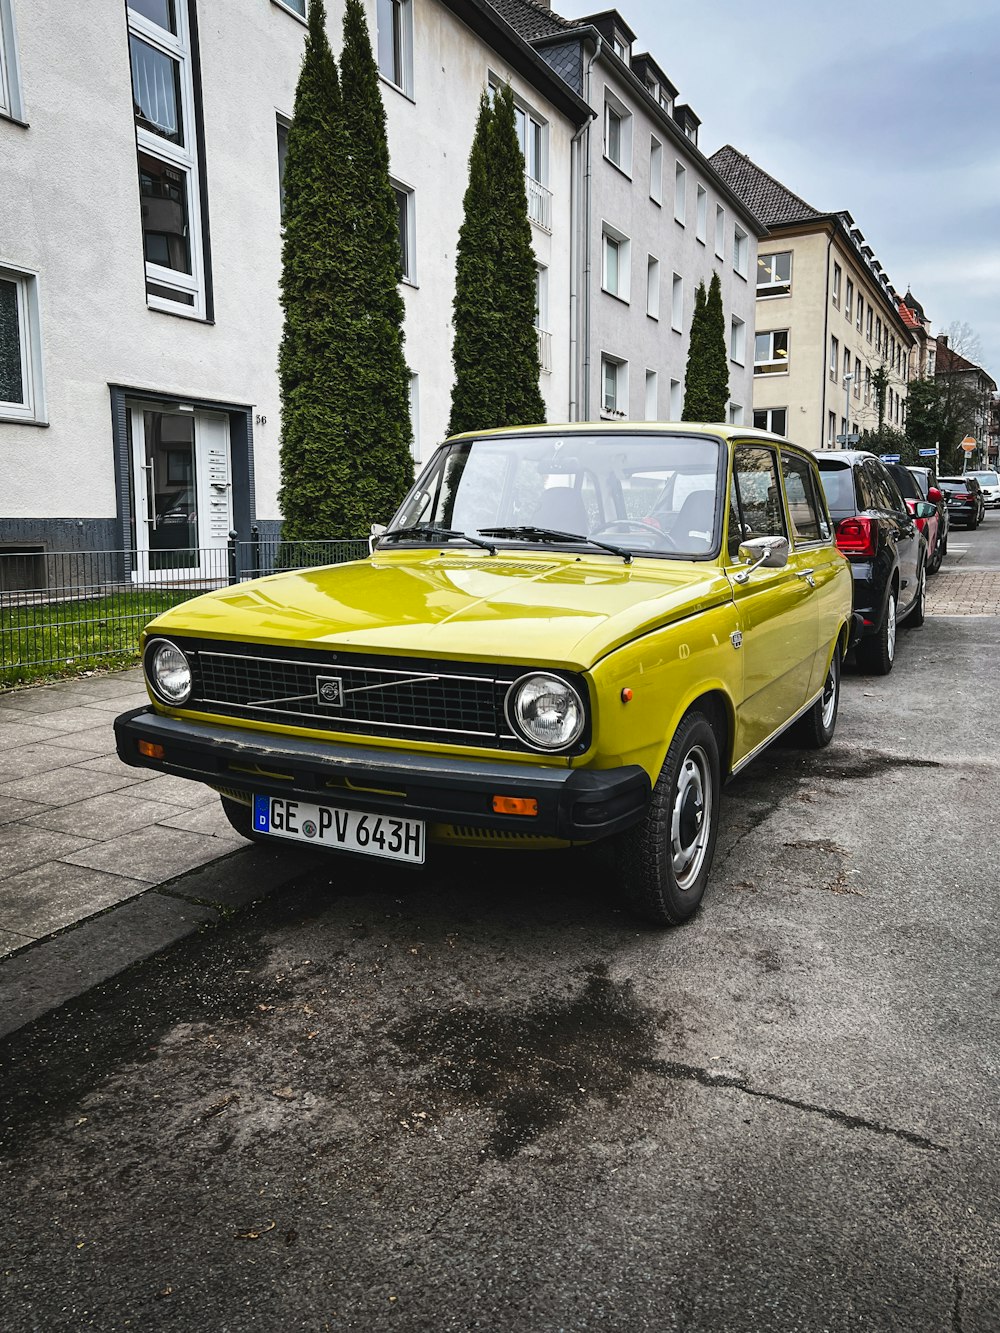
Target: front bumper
column 574, row 805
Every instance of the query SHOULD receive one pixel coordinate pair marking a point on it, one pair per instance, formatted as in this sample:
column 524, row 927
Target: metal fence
column 66, row 610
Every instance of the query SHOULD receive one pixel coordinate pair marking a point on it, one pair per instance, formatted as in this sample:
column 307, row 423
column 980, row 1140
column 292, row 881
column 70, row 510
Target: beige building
column 828, row 320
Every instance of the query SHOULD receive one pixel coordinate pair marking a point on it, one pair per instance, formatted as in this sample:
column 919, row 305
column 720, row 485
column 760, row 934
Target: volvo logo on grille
column 330, row 690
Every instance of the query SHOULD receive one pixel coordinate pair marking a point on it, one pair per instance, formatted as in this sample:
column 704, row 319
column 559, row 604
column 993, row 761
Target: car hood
column 552, row 607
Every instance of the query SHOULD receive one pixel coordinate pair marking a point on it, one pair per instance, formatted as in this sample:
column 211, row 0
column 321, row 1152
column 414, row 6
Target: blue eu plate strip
column 262, row 814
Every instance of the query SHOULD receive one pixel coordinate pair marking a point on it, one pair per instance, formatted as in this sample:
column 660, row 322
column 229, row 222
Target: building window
column 21, row 397
column 617, row 133
column 774, row 274
column 676, row 400
column 542, row 318
column 652, row 410
column 834, row 358
column 770, row 356
column 615, row 267
column 720, row 231
column 677, row 303
column 166, row 139
column 741, row 251
column 861, row 305
column 394, row 19
column 837, row 275
column 774, row 419
column 680, row 192
column 415, row 416
column 868, row 323
column 849, row 301
column 857, row 377
column 701, row 215
column 10, row 82
column 533, row 136
column 282, row 126
column 296, row 6
column 738, row 341
column 653, row 287
column 831, row 429
column 868, row 384
column 406, row 221
column 614, row 386
column 655, row 170
column 878, row 334
column 736, row 414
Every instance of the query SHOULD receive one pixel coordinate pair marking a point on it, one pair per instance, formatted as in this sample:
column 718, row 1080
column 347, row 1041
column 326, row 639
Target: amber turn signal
column 151, row 750
column 626, row 695
column 515, row 805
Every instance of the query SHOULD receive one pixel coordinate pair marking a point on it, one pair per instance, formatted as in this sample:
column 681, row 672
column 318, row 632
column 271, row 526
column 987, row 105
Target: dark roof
column 531, row 20
column 772, row 202
column 911, row 302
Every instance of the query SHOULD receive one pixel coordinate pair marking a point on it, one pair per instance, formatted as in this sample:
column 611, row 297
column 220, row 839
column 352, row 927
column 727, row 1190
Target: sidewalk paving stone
column 207, row 819
column 50, row 897
column 175, row 791
column 27, row 760
column 98, row 739
column 25, row 845
column 14, row 810
column 101, row 818
column 110, row 763
column 154, row 853
column 66, row 721
column 66, row 784
column 15, row 734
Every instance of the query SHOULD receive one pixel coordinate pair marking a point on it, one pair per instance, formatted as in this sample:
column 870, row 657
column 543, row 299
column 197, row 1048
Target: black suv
column 887, row 553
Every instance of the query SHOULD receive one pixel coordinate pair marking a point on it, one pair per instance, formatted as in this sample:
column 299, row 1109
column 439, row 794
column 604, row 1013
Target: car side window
column 757, row 493
column 803, row 510
column 883, row 492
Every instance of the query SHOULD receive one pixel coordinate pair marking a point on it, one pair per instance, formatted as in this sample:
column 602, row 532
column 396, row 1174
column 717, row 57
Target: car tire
column 877, row 652
column 915, row 616
column 973, row 524
column 815, row 729
column 665, row 861
column 241, row 818
column 935, row 564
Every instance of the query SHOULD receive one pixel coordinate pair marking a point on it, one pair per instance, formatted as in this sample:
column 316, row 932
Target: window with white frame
column 614, row 386
column 680, row 192
column 533, row 137
column 849, row 301
column 834, row 357
column 677, row 303
column 868, row 322
column 741, row 251
column 878, row 334
column 720, row 231
column 296, row 6
column 701, row 216
column 774, row 419
column 10, row 80
column 615, row 263
column 542, row 318
column 655, row 169
column 861, row 307
column 738, row 341
column 868, row 383
column 406, row 221
column 837, row 274
column 774, row 274
column 21, row 396
column 652, row 287
column 770, row 355
column 170, row 197
column 652, row 409
column 676, row 401
column 282, row 128
column 394, row 22
column 617, row 132
column 415, row 416
column 831, row 429
column 736, row 414
column 857, row 377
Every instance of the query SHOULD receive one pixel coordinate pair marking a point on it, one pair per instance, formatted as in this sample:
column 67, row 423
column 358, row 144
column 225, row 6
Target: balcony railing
column 544, row 350
column 539, row 204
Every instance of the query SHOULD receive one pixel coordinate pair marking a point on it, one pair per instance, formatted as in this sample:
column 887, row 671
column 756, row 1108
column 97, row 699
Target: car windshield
column 985, row 478
column 654, row 493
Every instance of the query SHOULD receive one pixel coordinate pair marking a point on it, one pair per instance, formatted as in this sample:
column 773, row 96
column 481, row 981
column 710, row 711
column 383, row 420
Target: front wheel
column 915, row 616
column 241, row 818
column 664, row 862
column 877, row 653
column 815, row 729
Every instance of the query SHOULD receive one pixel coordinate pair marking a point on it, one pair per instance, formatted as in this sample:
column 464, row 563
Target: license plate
column 343, row 830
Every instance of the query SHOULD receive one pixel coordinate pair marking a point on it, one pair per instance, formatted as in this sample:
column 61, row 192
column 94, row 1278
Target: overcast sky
column 890, row 111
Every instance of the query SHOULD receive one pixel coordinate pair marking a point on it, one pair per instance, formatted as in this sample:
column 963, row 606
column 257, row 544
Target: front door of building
column 182, row 494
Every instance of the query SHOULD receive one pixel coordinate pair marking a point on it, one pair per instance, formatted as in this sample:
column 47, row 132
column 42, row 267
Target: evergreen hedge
column 706, row 379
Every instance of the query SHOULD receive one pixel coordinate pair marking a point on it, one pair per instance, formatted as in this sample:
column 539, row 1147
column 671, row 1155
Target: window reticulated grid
column 378, row 701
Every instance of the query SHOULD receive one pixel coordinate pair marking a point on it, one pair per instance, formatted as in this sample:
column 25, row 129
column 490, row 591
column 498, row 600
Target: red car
column 925, row 514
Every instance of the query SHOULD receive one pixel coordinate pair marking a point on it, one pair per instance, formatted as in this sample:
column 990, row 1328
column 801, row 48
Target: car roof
column 711, row 430
column 845, row 455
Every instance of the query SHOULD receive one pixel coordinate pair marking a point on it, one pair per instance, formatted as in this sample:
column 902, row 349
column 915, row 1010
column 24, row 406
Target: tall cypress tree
column 706, row 381
column 496, row 346
column 695, row 387
column 313, row 277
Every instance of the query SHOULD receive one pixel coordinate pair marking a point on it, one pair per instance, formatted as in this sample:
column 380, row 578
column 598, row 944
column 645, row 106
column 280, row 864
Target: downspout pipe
column 581, row 404
column 826, row 347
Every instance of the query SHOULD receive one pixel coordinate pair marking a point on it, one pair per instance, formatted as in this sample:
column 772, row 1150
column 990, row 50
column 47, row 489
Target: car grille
column 421, row 699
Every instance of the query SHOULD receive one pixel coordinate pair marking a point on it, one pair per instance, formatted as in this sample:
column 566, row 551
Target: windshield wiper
column 434, row 530
column 552, row 535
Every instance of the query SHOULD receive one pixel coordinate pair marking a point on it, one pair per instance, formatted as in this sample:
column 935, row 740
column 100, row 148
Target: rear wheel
column 816, row 728
column 877, row 653
column 664, row 862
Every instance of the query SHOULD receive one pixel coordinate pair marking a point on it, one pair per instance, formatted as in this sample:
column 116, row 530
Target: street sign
column 927, row 453
column 889, row 458
column 847, row 439
column 968, row 444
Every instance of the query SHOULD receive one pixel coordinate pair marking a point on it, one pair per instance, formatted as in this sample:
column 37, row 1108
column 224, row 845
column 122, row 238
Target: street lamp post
column 847, row 404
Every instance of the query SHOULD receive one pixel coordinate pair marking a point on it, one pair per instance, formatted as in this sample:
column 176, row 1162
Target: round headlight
column 168, row 672
column 546, row 710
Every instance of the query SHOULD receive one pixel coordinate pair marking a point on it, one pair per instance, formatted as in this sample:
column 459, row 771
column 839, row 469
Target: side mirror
column 769, row 552
column 925, row 509
column 934, row 495
column 377, row 529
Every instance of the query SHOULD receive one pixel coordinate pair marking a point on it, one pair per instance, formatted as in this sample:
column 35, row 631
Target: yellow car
column 567, row 633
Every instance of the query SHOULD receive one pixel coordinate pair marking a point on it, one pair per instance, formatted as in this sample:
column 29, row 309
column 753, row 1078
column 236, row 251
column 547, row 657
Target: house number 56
column 260, row 419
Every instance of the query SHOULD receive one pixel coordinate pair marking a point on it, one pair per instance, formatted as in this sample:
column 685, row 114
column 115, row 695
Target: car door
column 775, row 607
column 823, row 568
column 899, row 523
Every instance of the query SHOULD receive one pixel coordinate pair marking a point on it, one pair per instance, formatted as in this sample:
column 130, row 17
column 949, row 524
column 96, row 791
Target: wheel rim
column 890, row 628
column 691, row 818
column 829, row 696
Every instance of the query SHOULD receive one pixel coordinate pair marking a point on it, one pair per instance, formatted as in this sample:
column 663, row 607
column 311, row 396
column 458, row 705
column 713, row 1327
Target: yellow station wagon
column 567, row 633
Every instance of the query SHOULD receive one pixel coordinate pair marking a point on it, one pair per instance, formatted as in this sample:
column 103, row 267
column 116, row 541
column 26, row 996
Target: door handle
column 807, row 574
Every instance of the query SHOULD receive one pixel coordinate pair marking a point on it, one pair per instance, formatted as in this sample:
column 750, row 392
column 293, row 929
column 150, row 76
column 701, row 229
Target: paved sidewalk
column 79, row 830
column 964, row 591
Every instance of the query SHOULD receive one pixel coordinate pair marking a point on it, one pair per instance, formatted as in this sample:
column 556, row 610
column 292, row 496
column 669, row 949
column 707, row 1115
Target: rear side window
column 838, row 483
column 921, row 482
column 883, row 489
column 905, row 483
column 804, row 508
column 755, row 497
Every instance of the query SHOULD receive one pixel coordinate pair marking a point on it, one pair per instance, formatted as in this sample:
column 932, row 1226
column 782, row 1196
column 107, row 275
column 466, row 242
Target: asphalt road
column 478, row 1097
